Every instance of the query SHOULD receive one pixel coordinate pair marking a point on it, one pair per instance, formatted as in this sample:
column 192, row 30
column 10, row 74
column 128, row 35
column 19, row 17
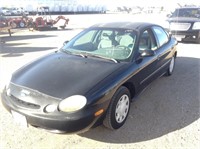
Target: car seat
column 105, row 41
column 127, row 41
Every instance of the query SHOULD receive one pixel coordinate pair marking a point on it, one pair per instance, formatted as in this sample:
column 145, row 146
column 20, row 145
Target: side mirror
column 65, row 43
column 147, row 53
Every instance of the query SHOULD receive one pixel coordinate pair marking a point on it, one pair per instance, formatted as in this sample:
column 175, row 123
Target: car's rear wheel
column 171, row 66
column 118, row 110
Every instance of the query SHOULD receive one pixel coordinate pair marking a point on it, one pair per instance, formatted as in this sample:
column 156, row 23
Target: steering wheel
column 126, row 50
column 121, row 47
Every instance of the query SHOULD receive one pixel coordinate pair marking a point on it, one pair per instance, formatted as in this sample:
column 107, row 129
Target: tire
column 13, row 25
column 21, row 24
column 118, row 110
column 171, row 66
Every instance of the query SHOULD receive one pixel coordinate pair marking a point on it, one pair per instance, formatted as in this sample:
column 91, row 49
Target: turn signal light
column 98, row 112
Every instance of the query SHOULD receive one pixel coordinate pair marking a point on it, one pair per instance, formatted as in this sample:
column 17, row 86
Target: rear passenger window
column 162, row 36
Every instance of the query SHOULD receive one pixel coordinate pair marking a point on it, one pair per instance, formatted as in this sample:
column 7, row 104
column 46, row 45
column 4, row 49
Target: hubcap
column 122, row 109
column 22, row 24
column 171, row 66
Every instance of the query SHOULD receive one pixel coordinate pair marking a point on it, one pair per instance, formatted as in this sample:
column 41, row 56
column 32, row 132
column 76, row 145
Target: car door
column 163, row 50
column 147, row 66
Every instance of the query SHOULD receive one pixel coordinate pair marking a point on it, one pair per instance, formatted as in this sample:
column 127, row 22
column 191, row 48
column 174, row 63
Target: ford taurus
column 92, row 79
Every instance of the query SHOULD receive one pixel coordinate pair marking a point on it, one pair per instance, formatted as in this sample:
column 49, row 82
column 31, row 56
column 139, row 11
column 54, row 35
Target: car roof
column 124, row 25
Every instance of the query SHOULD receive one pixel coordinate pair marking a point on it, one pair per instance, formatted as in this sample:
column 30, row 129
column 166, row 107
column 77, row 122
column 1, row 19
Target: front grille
column 180, row 26
column 28, row 98
column 25, row 104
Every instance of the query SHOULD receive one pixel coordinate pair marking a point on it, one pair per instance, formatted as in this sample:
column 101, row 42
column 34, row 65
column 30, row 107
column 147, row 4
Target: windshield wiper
column 86, row 54
column 77, row 54
column 98, row 56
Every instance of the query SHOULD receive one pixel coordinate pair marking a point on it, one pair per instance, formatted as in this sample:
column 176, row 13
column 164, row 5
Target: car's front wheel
column 118, row 110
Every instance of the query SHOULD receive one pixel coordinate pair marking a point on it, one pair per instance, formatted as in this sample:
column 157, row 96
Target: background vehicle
column 45, row 21
column 4, row 25
column 93, row 78
column 5, row 11
column 15, row 11
column 4, row 22
column 184, row 23
column 18, row 22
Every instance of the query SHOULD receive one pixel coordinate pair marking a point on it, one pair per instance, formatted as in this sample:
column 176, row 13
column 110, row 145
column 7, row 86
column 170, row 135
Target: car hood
column 183, row 19
column 61, row 75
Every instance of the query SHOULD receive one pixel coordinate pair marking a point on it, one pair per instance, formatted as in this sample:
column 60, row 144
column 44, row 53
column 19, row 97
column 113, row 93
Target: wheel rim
column 122, row 109
column 171, row 66
column 21, row 24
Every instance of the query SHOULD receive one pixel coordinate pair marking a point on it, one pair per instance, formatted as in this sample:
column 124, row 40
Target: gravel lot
column 166, row 115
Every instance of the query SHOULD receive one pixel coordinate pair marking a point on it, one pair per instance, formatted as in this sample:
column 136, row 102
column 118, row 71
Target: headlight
column 72, row 104
column 196, row 25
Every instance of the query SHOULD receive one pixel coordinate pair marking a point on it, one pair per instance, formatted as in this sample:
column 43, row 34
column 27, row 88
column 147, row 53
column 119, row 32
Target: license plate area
column 19, row 119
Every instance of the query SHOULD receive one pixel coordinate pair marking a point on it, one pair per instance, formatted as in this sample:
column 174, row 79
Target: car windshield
column 113, row 44
column 187, row 12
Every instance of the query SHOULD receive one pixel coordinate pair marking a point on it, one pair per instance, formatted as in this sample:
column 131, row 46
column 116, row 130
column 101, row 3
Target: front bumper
column 61, row 123
column 190, row 35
